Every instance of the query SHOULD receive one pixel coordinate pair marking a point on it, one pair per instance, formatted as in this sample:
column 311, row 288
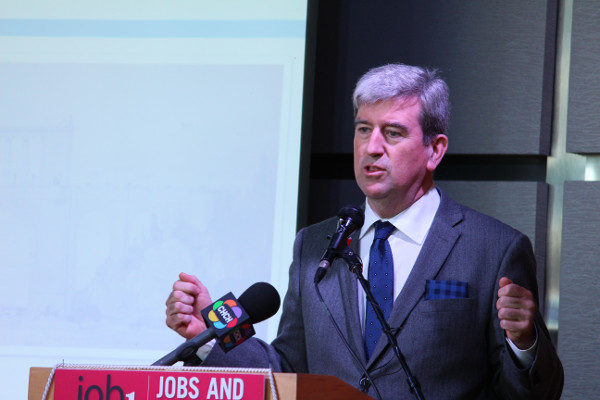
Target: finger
column 516, row 329
column 180, row 296
column 516, row 322
column 523, row 302
column 178, row 322
column 179, row 308
column 193, row 285
column 515, row 314
column 187, row 287
column 514, row 290
column 190, row 278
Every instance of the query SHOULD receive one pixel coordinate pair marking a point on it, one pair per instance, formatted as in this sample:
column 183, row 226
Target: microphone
column 351, row 218
column 229, row 320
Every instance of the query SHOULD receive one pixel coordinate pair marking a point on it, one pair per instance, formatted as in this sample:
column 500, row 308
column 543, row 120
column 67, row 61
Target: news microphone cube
column 230, row 321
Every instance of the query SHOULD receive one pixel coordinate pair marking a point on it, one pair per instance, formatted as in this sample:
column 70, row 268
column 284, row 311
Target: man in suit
column 461, row 294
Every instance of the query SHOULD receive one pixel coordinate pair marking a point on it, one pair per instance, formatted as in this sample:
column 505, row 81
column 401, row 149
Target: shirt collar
column 413, row 222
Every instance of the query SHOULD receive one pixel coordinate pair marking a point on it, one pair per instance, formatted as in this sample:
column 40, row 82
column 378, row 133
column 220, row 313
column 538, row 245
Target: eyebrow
column 361, row 121
column 396, row 125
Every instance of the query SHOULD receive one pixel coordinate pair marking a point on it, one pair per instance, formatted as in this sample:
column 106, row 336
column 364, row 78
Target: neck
column 389, row 207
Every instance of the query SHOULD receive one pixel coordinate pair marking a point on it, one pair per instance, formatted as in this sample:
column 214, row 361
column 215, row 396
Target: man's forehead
column 398, row 103
column 401, row 101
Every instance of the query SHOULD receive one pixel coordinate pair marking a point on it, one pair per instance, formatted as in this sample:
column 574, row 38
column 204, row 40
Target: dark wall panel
column 497, row 57
column 584, row 85
column 330, row 195
column 579, row 314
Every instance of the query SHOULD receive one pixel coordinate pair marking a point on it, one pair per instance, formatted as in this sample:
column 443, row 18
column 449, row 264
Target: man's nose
column 376, row 141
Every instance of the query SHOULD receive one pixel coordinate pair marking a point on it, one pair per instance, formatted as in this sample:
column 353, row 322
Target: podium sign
column 106, row 384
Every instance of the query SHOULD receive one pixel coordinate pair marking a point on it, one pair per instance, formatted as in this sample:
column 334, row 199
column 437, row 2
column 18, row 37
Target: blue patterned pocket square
column 440, row 290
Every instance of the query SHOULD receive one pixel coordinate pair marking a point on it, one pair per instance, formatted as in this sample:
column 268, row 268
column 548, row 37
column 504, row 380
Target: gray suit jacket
column 455, row 347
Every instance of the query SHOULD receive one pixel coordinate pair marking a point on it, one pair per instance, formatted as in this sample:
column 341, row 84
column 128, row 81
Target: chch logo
column 224, row 314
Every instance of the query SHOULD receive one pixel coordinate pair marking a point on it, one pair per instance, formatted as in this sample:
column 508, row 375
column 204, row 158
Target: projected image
column 130, row 175
column 137, row 142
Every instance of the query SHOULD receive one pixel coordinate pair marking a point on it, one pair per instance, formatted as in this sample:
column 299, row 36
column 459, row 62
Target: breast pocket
column 449, row 322
column 447, row 305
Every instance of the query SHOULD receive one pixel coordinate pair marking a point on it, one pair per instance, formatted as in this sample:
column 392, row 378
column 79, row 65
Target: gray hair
column 404, row 81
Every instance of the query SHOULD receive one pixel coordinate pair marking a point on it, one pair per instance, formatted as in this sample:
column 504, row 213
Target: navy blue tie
column 381, row 280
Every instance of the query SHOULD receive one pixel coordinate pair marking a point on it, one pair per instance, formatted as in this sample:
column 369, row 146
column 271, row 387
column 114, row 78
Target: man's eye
column 363, row 129
column 394, row 134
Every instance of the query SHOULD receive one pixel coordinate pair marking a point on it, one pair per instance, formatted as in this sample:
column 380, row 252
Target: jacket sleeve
column 544, row 378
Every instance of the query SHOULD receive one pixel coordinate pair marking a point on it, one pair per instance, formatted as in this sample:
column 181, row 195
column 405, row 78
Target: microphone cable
column 341, row 335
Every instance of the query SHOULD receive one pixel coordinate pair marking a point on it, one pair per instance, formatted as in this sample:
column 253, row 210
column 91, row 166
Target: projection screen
column 139, row 140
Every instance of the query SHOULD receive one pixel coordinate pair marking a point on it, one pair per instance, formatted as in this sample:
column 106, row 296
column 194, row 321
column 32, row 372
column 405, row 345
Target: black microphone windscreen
column 261, row 301
column 355, row 213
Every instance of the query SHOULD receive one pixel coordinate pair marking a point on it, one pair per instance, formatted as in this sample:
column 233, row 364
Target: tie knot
column 383, row 229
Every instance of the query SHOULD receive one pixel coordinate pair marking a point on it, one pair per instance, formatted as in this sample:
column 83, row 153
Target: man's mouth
column 373, row 168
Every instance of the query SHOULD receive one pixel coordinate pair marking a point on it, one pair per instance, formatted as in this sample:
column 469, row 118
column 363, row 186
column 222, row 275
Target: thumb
column 504, row 281
column 188, row 278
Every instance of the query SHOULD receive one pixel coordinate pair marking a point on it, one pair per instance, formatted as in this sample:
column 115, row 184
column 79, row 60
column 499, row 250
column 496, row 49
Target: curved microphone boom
column 351, row 218
column 229, row 320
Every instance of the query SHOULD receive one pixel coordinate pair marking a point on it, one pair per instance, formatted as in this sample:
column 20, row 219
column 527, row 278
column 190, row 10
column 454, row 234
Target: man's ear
column 438, row 147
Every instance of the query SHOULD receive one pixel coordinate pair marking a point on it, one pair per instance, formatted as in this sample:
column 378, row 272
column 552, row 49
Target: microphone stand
column 356, row 266
column 185, row 351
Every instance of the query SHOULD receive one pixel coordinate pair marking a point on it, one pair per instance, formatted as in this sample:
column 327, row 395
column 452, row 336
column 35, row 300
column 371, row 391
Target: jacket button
column 365, row 384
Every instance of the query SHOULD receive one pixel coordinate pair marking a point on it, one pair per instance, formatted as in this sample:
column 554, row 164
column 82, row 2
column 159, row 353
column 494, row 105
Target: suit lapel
column 340, row 293
column 349, row 285
column 440, row 240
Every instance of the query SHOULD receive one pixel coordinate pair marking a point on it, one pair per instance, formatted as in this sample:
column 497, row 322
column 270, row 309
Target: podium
column 288, row 386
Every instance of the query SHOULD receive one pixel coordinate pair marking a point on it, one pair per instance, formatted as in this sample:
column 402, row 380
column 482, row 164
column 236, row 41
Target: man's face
column 392, row 166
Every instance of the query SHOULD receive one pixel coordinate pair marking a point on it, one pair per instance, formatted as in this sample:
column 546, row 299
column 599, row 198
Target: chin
column 375, row 194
